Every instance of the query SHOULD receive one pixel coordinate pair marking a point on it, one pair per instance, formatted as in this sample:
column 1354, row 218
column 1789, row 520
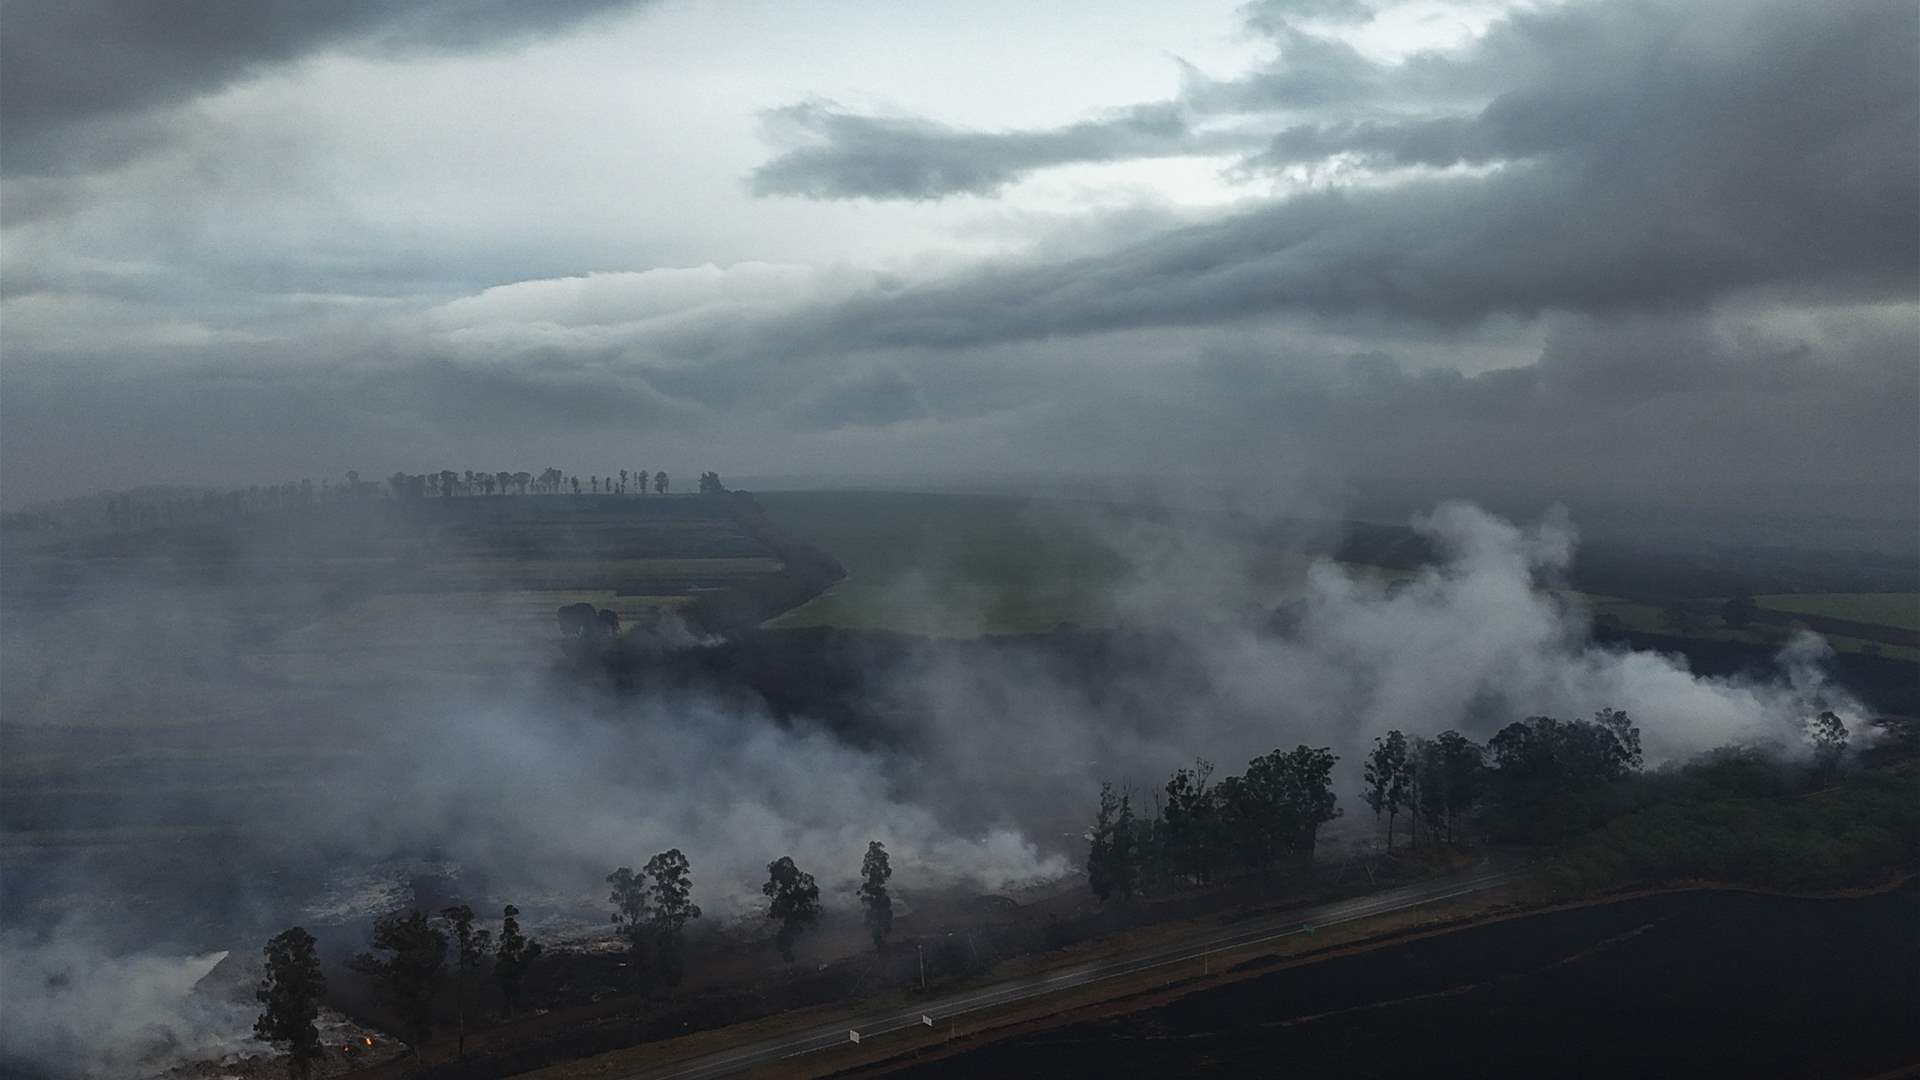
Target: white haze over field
column 1471, row 644
column 73, row 1008
column 1000, row 755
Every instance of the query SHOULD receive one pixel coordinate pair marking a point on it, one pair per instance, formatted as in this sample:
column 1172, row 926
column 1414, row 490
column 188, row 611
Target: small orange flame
column 369, row 1039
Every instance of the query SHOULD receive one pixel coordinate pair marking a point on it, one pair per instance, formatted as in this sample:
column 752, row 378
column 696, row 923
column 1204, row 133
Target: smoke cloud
column 74, row 1008
column 976, row 767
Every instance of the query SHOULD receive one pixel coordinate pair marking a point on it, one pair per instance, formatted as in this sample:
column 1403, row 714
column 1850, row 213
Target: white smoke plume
column 991, row 757
column 73, row 1008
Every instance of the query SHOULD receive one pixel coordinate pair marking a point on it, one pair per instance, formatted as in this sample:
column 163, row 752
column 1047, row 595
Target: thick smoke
column 540, row 795
column 1473, row 643
column 74, row 1008
column 982, row 777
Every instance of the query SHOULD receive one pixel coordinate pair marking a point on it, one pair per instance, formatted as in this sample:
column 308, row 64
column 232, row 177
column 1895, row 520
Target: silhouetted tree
column 1550, row 777
column 1125, row 852
column 1829, row 738
column 407, row 977
column 710, row 484
column 1113, row 849
column 503, row 480
column 521, row 480
column 470, row 951
column 448, row 482
column 670, row 892
column 793, row 899
column 575, row 482
column 623, row 481
column 632, row 914
column 291, row 993
column 1192, row 822
column 1100, row 868
column 1386, row 779
column 512, row 958
column 1305, row 780
column 660, row 483
column 1451, row 766
column 875, row 869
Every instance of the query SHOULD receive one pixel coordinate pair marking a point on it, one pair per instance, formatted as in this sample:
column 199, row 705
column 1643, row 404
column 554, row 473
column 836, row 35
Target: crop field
column 958, row 565
column 656, row 577
column 1705, row 622
column 403, row 635
column 1896, row 609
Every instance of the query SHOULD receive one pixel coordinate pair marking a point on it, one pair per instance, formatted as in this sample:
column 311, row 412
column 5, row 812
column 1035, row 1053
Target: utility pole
column 922, row 951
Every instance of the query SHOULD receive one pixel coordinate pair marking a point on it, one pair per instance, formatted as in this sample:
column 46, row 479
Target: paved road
column 879, row 1024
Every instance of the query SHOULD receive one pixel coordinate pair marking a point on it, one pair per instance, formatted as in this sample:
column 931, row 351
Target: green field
column 1896, row 609
column 628, row 576
column 1707, row 623
column 960, row 565
column 957, row 565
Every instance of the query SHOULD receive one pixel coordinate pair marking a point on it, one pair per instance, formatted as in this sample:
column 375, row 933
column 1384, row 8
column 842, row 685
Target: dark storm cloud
column 77, row 76
column 1684, row 157
column 1598, row 79
column 848, row 156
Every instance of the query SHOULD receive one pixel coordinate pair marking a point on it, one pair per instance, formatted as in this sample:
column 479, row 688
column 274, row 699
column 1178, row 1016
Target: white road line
column 1083, row 975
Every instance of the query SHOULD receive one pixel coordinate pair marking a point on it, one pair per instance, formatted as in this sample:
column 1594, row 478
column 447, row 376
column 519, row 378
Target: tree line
column 415, row 955
column 1271, row 813
column 154, row 508
column 448, row 483
column 1540, row 780
column 407, row 967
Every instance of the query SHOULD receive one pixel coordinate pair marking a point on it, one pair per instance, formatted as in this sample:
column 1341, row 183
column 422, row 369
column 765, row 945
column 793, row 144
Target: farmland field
column 958, row 565
column 1896, row 609
column 1707, row 624
column 405, row 635
column 155, row 665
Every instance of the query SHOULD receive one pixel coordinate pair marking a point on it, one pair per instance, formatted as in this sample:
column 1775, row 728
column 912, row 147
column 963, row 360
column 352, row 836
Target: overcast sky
column 1666, row 245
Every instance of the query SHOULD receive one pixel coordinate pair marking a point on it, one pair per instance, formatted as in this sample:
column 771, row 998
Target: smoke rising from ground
column 979, row 770
column 1472, row 644
column 73, row 1007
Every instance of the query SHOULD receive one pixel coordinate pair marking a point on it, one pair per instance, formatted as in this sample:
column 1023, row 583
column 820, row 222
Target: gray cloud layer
column 846, row 155
column 75, row 74
column 1588, row 80
column 1660, row 167
column 1612, row 245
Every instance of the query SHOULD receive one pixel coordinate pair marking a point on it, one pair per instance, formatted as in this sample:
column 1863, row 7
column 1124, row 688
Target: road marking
column 1086, row 975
